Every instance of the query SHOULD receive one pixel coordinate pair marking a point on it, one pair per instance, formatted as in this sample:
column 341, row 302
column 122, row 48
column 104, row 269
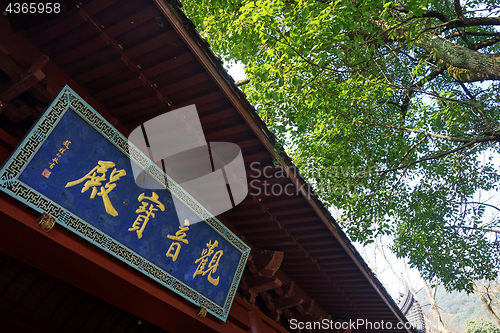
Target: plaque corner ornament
column 45, row 222
column 201, row 311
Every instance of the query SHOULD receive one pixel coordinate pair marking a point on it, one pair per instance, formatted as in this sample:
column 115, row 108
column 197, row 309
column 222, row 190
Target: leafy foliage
column 378, row 104
column 481, row 326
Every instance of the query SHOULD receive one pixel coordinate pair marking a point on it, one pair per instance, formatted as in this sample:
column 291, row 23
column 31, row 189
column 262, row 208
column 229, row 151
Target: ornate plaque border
column 26, row 150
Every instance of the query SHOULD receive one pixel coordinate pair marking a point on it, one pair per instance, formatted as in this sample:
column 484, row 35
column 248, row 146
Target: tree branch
column 411, row 148
column 458, row 9
column 473, row 33
column 240, row 83
column 430, row 13
column 407, row 165
column 440, row 16
column 479, row 203
column 473, row 98
column 464, row 64
column 471, row 228
column 485, row 302
column 412, row 89
column 495, row 137
column 473, row 22
column 486, row 43
column 434, row 307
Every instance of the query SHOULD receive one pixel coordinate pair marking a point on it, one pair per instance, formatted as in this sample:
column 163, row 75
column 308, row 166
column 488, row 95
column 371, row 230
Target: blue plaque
column 76, row 167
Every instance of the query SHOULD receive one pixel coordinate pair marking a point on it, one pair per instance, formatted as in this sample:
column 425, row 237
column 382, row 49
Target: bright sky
column 236, row 70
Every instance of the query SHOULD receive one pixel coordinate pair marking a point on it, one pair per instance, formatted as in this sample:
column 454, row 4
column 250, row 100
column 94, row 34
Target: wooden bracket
column 201, row 311
column 267, row 263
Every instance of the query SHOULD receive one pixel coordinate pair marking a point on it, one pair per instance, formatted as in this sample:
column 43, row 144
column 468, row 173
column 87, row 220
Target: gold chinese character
column 55, row 159
column 66, row 144
column 94, row 181
column 62, row 150
column 144, row 219
column 212, row 265
column 171, row 248
column 179, row 235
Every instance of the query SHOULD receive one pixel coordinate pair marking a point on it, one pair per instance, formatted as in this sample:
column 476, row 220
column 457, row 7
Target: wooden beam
column 131, row 22
column 152, row 44
column 69, row 23
column 285, row 290
column 102, row 70
column 123, row 87
column 32, row 77
column 307, row 306
column 266, row 263
column 287, row 303
column 283, row 212
column 262, row 283
column 17, row 111
column 185, row 83
column 9, row 67
column 83, row 50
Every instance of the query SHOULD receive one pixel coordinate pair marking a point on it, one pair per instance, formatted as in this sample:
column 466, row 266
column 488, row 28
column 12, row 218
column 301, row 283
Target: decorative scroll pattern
column 14, row 167
column 8, row 180
column 138, row 157
column 64, row 217
column 188, row 201
column 238, row 243
column 35, row 199
column 31, row 144
column 68, row 97
column 52, row 117
column 156, row 173
column 96, row 121
column 232, row 291
column 38, row 135
column 106, row 242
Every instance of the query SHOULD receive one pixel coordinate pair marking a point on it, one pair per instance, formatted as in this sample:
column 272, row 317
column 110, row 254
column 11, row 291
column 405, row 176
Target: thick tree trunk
column 463, row 64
